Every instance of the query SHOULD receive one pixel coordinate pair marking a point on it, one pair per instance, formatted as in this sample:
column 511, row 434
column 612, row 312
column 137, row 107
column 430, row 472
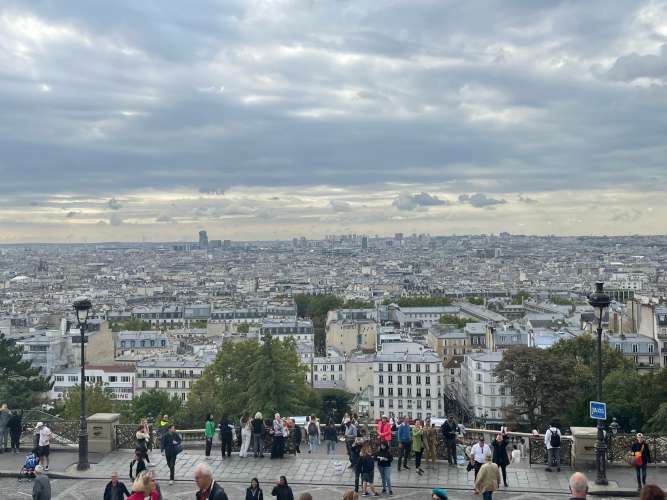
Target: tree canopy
column 21, row 385
column 520, row 296
column 155, row 403
column 452, row 319
column 421, row 301
column 98, row 400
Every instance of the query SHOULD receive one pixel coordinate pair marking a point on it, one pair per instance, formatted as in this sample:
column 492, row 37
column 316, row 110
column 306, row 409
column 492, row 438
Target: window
column 650, row 348
column 635, row 347
column 125, row 378
column 168, row 384
column 418, row 368
column 419, row 404
column 333, row 377
column 400, row 392
column 113, row 378
column 390, row 367
column 479, row 389
column 391, row 403
column 408, row 367
column 60, row 378
column 380, row 367
column 651, row 360
column 183, row 384
column 143, row 384
column 419, row 379
column 618, row 347
column 428, row 368
column 340, row 368
column 419, row 392
column 399, row 367
column 408, row 380
column 72, row 378
column 478, row 365
column 400, row 403
column 479, row 377
column 400, row 379
column 409, row 392
column 428, row 380
column 182, row 396
column 390, row 379
column 381, row 391
column 340, row 376
column 391, row 391
column 316, row 377
column 428, row 392
column 428, row 404
column 382, row 403
column 157, row 384
column 636, row 360
column 381, row 379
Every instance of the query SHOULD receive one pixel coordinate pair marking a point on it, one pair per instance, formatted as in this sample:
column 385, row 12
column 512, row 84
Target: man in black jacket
column 115, row 490
column 207, row 489
column 449, row 431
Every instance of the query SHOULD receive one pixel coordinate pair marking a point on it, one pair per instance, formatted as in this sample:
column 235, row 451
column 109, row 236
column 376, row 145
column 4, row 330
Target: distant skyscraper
column 203, row 239
column 364, row 242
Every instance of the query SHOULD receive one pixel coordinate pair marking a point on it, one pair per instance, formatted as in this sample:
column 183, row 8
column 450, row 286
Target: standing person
column 552, row 442
column 15, row 426
column 343, row 423
column 141, row 445
column 163, row 427
column 226, row 436
column 350, row 435
column 278, row 431
column 41, row 487
column 578, row 486
column 115, row 490
column 148, row 430
column 254, row 492
column 488, row 479
column 356, row 456
column 430, row 442
column 500, row 457
column 281, row 490
column 384, row 429
column 330, row 436
column 44, row 446
column 258, row 435
column 171, row 447
column 209, row 432
column 5, row 416
column 642, row 457
column 144, row 486
column 207, row 488
column 404, row 443
column 297, row 436
column 516, row 456
column 366, row 467
column 384, row 458
column 313, row 431
column 478, row 454
column 449, row 432
column 246, row 435
column 137, row 465
column 418, row 445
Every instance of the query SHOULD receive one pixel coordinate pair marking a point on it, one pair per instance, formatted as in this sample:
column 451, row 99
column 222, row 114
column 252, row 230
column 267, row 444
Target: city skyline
column 260, row 120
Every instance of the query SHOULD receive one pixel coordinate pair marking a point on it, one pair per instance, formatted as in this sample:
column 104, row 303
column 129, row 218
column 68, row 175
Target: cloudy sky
column 262, row 119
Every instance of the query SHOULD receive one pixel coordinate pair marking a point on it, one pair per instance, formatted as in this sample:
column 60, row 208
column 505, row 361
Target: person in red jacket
column 384, row 429
column 144, row 486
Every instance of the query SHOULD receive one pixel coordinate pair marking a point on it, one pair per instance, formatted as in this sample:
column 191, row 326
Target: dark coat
column 170, row 443
column 646, row 453
column 448, row 431
column 216, row 493
column 355, row 449
column 500, row 451
column 258, row 495
column 41, row 488
column 297, row 435
column 120, row 488
column 384, row 457
column 136, row 467
column 257, row 426
column 330, row 433
column 366, row 464
column 225, row 429
column 282, row 492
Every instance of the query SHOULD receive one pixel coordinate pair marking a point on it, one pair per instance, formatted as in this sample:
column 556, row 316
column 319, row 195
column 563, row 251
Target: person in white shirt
column 516, row 455
column 478, row 453
column 552, row 440
column 44, row 448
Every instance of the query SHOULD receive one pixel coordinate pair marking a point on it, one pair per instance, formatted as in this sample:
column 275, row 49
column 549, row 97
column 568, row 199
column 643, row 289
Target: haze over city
column 276, row 119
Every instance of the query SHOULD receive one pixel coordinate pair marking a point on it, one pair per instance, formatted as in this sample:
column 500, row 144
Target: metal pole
column 601, row 445
column 83, row 427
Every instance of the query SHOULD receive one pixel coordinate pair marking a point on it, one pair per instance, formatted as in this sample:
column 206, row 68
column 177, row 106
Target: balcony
column 171, row 376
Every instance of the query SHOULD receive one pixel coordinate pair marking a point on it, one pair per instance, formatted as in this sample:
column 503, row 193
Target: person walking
column 141, row 445
column 418, row 445
column 144, row 486
column 578, row 486
column 488, row 479
column 137, row 465
column 278, row 431
column 478, row 453
column 449, row 431
column 5, row 416
column 500, row 457
column 384, row 429
column 297, row 436
column 171, row 447
column 313, row 431
column 384, row 458
column 254, row 492
column 246, row 435
column 258, row 435
column 350, row 436
column 404, row 443
column 366, row 468
column 641, row 458
column 44, row 446
column 207, row 488
column 330, row 436
column 41, row 486
column 15, row 426
column 430, row 436
column 356, row 456
column 226, row 436
column 115, row 489
column 281, row 490
column 209, row 432
column 552, row 440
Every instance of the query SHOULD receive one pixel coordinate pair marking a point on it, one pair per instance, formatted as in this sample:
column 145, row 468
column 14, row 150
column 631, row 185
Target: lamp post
column 600, row 301
column 82, row 307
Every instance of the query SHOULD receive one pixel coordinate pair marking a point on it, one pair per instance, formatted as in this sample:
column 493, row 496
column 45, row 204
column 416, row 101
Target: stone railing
column 65, row 433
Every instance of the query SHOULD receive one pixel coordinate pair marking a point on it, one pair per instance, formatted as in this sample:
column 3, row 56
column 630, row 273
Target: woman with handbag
column 171, row 447
column 641, row 456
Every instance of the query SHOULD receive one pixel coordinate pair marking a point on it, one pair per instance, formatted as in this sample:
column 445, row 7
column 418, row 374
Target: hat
column 640, row 435
column 440, row 493
column 39, row 424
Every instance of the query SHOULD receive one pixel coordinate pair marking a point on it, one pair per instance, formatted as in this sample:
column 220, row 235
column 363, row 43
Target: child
column 516, row 455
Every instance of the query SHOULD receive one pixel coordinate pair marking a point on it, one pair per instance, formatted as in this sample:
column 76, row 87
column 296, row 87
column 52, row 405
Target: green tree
column 98, row 400
column 21, row 385
column 132, row 324
column 316, row 307
column 156, row 403
column 478, row 301
column 561, row 301
column 658, row 422
column 622, row 392
column 423, row 301
column 335, row 403
column 243, row 327
column 520, row 297
column 358, row 304
column 451, row 319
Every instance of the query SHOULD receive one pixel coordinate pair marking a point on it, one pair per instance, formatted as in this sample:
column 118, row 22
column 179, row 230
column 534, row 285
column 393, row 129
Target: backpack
column 555, row 438
column 312, row 429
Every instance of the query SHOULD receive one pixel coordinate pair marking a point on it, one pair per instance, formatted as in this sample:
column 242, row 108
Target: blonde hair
column 258, row 415
column 142, row 482
column 350, row 495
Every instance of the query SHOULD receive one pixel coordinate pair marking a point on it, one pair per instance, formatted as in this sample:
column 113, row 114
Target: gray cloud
column 115, row 220
column 633, row 66
column 407, row 201
column 114, row 204
column 527, row 200
column 211, row 190
column 480, row 200
column 70, row 215
column 340, row 206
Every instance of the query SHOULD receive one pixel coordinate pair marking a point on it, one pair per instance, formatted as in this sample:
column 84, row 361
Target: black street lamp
column 82, row 308
column 600, row 301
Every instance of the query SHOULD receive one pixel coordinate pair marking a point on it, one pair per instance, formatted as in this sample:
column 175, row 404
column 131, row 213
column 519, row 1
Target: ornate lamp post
column 82, row 307
column 600, row 301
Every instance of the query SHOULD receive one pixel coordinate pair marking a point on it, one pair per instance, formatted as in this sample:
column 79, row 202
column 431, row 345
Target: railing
column 538, row 451
column 619, row 446
column 64, row 432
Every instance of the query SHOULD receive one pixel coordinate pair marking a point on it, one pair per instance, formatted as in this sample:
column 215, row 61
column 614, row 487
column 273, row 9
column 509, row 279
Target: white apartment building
column 299, row 330
column 174, row 375
column 329, row 371
column 118, row 380
column 407, row 381
column 48, row 350
column 481, row 391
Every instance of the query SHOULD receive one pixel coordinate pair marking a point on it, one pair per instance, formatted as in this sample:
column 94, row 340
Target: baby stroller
column 27, row 471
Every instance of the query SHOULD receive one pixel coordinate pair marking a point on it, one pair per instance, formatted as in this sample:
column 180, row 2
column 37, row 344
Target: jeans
column 4, row 437
column 404, row 454
column 313, row 442
column 278, row 447
column 451, row 451
column 418, row 459
column 171, row 463
column 16, row 438
column 209, row 443
column 226, row 446
column 641, row 474
column 487, row 495
column 331, row 447
column 477, row 466
column 257, row 444
column 553, row 457
column 503, row 469
column 385, row 474
column 356, row 479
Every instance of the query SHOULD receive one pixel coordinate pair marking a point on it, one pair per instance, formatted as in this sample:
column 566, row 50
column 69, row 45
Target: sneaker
column 406, row 467
column 384, row 490
column 548, row 469
column 171, row 482
column 365, row 494
column 46, row 468
column 557, row 469
column 377, row 494
column 391, row 492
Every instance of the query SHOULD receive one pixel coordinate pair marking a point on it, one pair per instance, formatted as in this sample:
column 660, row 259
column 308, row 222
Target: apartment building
column 118, row 380
column 480, row 390
column 174, row 375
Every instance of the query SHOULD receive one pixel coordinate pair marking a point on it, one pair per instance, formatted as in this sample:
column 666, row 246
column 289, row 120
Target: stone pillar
column 583, row 446
column 102, row 432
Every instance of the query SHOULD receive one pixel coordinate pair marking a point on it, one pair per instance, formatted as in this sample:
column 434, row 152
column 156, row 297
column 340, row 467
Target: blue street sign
column 598, row 410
